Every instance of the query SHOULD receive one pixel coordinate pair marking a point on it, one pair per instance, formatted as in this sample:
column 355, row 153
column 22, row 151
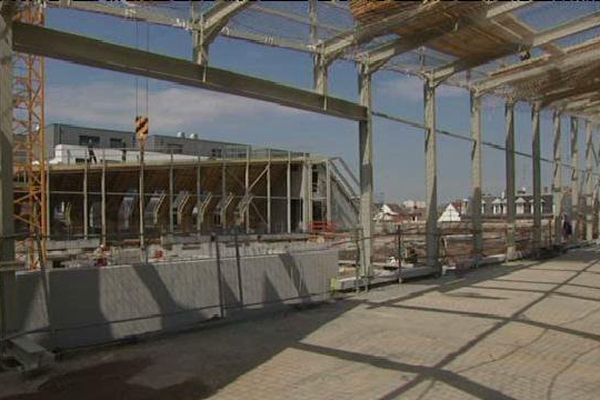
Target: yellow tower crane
column 31, row 200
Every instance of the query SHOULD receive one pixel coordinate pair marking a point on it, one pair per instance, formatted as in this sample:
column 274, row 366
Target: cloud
column 171, row 109
column 411, row 89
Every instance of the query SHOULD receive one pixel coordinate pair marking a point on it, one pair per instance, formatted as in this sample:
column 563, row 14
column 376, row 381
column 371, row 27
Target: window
column 216, row 153
column 174, row 148
column 116, row 143
column 85, row 140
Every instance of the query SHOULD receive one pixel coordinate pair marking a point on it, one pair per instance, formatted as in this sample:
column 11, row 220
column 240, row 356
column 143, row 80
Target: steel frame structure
column 31, row 205
column 551, row 80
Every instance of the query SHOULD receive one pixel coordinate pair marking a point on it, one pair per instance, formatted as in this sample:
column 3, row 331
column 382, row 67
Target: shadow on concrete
column 110, row 381
column 206, row 367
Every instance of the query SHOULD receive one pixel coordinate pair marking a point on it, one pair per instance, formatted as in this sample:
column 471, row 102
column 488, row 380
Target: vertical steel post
column 171, row 189
column 141, row 197
column 575, row 179
column 476, row 176
column 269, row 224
column 365, row 152
column 224, row 194
column 597, row 180
column 589, row 158
column 7, row 247
column 103, row 194
column 557, row 194
column 48, row 207
column 198, row 199
column 328, row 199
column 85, row 199
column 288, row 199
column 431, row 229
column 246, row 188
column 305, row 194
column 537, row 177
column 509, row 114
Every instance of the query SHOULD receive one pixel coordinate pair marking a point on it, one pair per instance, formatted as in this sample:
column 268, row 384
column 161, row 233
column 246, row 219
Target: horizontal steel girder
column 96, row 53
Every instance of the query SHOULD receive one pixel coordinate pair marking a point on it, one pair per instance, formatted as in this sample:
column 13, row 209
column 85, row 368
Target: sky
column 98, row 98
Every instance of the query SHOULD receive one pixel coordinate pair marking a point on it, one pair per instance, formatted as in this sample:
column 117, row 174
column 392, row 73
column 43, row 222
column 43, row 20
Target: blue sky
column 93, row 97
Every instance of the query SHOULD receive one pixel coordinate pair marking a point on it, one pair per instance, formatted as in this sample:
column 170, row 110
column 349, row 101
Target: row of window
column 117, row 143
column 114, row 143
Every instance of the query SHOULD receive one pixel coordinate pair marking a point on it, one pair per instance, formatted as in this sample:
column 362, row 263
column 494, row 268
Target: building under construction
column 67, row 189
column 200, row 187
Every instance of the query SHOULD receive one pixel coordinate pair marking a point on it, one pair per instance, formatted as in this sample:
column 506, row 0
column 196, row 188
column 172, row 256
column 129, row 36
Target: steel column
column 246, row 186
column 305, row 194
column 171, row 184
column 288, row 198
column 328, row 190
column 198, row 200
column 224, row 193
column 509, row 114
column 103, row 194
column 8, row 301
column 431, row 229
column 269, row 191
column 476, row 175
column 85, row 200
column 589, row 187
column 141, row 197
column 365, row 152
column 597, row 180
column 537, row 177
column 7, row 247
column 557, row 194
column 574, row 179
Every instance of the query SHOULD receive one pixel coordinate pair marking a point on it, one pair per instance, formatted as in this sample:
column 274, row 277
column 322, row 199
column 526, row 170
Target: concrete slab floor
column 528, row 330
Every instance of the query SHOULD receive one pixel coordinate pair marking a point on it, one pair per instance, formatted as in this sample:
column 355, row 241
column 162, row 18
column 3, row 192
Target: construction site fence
column 455, row 243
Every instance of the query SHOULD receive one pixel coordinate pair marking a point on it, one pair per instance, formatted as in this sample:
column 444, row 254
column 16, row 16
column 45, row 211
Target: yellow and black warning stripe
column 141, row 127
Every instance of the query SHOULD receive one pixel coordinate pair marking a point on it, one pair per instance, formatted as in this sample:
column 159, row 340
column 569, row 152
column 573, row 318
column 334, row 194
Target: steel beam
column 573, row 57
column 476, row 176
column 335, row 46
column 7, row 247
column 574, row 179
column 589, row 187
column 365, row 153
column 509, row 114
column 539, row 39
column 380, row 55
column 211, row 23
column 95, row 53
column 557, row 191
column 537, row 178
column 131, row 13
column 431, row 228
